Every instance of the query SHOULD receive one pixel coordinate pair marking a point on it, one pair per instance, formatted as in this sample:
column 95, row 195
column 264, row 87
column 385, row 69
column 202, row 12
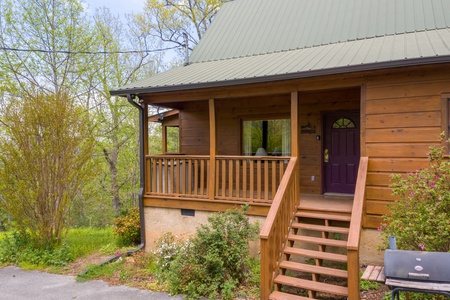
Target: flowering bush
column 420, row 220
column 167, row 248
column 128, row 228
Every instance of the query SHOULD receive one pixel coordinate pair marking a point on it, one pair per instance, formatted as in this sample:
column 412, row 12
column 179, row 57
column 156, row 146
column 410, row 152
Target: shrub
column 127, row 228
column 20, row 249
column 213, row 262
column 167, row 248
column 420, row 220
column 46, row 151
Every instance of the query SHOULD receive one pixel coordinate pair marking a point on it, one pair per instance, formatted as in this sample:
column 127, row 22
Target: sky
column 116, row 6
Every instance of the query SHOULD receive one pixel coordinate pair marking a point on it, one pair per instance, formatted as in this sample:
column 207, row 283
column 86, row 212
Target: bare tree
column 41, row 41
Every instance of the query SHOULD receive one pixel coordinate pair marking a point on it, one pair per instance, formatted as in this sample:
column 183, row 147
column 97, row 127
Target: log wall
column 194, row 128
column 403, row 117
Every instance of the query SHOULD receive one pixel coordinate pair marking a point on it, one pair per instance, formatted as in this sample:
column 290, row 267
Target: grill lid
column 417, row 265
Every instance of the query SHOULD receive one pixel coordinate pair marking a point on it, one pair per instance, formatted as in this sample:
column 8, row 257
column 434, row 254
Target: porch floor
column 336, row 203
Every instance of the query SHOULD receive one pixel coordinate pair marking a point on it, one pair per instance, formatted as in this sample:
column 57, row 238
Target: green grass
column 367, row 285
column 18, row 248
column 95, row 271
column 85, row 241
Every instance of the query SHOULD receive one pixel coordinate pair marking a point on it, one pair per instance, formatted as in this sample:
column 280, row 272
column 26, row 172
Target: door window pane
column 344, row 123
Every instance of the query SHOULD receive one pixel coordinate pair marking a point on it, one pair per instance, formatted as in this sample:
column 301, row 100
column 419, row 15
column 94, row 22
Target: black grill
column 417, row 271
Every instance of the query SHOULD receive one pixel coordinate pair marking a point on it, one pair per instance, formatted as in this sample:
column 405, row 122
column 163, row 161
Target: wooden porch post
column 295, row 150
column 212, row 150
column 294, row 125
column 164, row 139
column 145, row 138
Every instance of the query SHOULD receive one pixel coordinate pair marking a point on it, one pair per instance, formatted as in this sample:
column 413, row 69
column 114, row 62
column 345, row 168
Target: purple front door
column 341, row 152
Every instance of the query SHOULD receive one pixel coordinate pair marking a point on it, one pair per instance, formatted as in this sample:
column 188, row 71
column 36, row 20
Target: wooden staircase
column 315, row 256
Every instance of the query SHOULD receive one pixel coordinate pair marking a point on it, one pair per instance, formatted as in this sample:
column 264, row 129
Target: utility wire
column 86, row 52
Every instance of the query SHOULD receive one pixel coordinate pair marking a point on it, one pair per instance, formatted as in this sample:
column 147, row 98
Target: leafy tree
column 171, row 20
column 45, row 160
column 42, row 39
column 56, row 48
column 116, row 119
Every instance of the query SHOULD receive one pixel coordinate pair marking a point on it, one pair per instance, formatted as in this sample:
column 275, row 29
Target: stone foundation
column 369, row 244
column 161, row 220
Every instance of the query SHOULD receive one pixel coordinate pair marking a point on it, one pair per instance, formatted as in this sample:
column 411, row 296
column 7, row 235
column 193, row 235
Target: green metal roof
column 264, row 40
column 249, row 27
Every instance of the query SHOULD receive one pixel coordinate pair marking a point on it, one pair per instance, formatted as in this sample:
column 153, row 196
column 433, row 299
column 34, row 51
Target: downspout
column 141, row 170
column 141, row 187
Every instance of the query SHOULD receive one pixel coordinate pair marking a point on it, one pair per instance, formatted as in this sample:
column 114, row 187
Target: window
column 343, row 123
column 172, row 139
column 267, row 137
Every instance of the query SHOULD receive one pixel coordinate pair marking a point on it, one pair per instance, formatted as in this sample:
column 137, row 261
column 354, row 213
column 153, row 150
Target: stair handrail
column 355, row 230
column 273, row 235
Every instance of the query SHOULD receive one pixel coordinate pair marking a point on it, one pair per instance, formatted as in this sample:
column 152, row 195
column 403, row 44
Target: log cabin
column 301, row 109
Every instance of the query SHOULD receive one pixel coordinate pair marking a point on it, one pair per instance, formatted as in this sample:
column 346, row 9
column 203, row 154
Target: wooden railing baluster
column 238, row 179
column 244, row 180
column 266, row 180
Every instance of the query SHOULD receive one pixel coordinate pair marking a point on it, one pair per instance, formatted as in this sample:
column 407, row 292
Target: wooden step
column 318, row 241
column 295, row 266
column 312, row 285
column 331, row 209
column 316, row 254
column 333, row 229
column 323, row 216
column 285, row 296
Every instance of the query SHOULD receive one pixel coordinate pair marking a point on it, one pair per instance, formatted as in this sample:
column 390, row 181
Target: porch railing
column 177, row 175
column 355, row 230
column 240, row 178
column 248, row 178
column 277, row 226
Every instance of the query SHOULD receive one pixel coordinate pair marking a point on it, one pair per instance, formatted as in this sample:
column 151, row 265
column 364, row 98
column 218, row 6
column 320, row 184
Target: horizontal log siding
column 194, row 128
column 311, row 107
column 231, row 112
column 403, row 117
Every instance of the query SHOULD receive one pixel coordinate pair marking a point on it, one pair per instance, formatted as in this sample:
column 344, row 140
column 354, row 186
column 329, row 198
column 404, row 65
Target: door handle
column 325, row 155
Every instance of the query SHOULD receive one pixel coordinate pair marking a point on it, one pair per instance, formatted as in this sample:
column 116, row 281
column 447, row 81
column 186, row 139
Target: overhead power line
column 87, row 52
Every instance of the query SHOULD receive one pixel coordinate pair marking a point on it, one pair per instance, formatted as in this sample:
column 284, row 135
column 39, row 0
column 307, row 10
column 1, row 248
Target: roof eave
column 283, row 77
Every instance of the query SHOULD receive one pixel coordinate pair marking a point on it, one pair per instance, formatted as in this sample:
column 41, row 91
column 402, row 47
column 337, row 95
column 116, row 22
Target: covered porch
column 215, row 171
column 214, row 168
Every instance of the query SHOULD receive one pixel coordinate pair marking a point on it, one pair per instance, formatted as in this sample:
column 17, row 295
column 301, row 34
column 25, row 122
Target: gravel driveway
column 17, row 284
